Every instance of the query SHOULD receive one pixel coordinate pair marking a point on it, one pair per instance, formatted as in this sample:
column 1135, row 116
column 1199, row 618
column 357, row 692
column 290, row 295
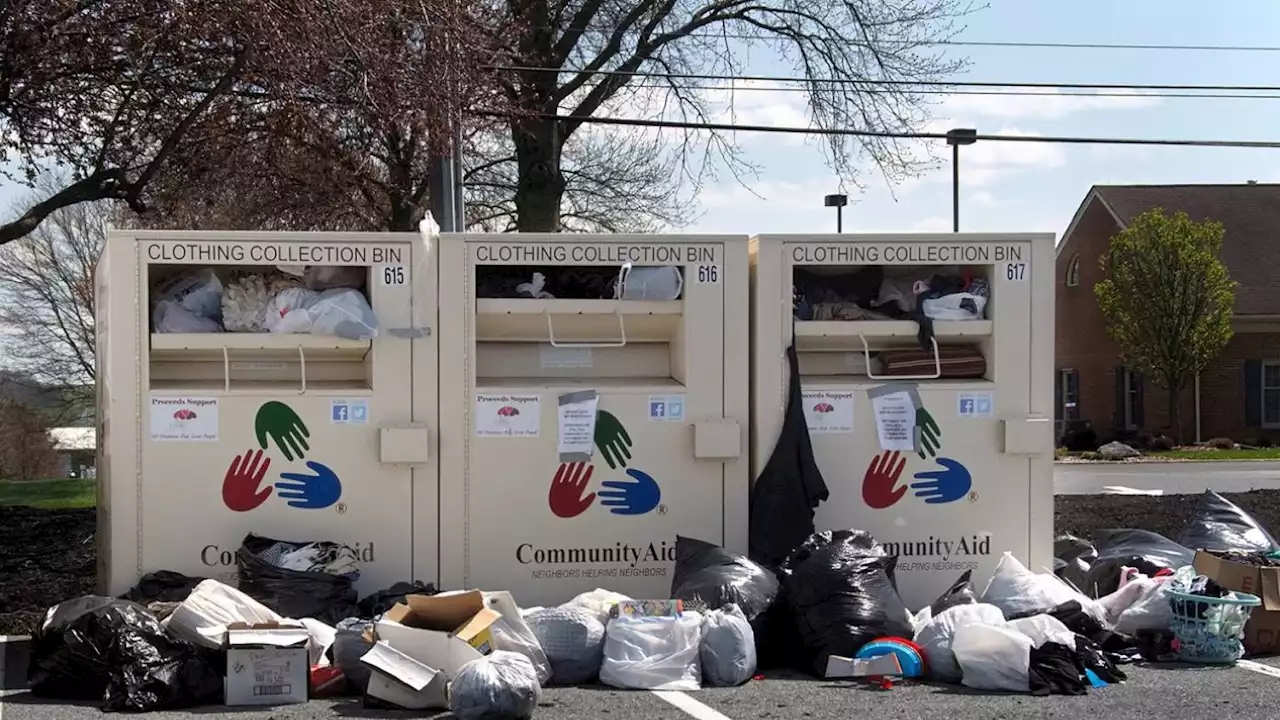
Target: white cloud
column 1040, row 104
column 983, row 198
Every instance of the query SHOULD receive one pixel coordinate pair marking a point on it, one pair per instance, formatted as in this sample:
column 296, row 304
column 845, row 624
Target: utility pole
column 838, row 202
column 956, row 138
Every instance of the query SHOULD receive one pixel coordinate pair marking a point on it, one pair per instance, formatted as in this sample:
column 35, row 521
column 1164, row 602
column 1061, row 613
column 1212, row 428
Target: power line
column 892, row 83
column 898, row 135
column 964, row 43
column 994, row 93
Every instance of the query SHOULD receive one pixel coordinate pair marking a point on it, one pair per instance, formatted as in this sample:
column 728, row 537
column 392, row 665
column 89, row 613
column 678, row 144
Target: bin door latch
column 404, row 444
column 1028, row 436
column 717, row 440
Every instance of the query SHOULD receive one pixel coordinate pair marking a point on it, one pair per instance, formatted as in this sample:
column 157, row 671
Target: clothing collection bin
column 272, row 383
column 926, row 366
column 596, row 394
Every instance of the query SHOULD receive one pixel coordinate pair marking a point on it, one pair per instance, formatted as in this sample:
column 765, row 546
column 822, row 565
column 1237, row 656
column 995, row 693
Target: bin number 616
column 709, row 274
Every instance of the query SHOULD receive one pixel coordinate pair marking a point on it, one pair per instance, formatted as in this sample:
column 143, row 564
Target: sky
column 1024, row 187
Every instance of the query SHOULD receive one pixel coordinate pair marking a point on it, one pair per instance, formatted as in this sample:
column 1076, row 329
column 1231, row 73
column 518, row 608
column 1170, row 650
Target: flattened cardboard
column 843, row 667
column 400, row 680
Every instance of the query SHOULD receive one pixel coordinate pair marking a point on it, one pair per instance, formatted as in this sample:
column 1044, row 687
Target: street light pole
column 838, row 202
column 956, row 138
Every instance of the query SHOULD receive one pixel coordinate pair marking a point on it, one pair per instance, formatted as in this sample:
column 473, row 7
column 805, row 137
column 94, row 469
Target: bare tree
column 615, row 182
column 578, row 58
column 46, row 291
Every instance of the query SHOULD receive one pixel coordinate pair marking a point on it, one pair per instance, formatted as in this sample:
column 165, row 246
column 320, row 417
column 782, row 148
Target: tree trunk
column 540, row 182
column 1175, row 415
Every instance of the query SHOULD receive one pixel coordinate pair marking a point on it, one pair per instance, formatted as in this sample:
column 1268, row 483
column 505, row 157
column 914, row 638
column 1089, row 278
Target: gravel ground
column 48, row 555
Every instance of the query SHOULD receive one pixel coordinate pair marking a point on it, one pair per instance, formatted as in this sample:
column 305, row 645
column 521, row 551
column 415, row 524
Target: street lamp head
column 962, row 136
column 836, row 201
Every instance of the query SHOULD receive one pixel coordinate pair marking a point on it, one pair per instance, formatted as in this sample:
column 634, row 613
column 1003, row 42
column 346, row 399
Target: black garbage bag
column 376, row 603
column 1219, row 525
column 1147, row 551
column 717, row 577
column 841, row 592
column 789, row 487
column 294, row 593
column 114, row 651
column 1072, row 557
column 960, row 593
column 162, row 586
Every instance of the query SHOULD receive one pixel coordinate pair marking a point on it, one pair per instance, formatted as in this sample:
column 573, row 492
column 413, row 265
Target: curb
column 15, row 655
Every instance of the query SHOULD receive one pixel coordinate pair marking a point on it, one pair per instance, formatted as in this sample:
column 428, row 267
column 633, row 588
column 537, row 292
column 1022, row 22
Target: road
column 1172, row 478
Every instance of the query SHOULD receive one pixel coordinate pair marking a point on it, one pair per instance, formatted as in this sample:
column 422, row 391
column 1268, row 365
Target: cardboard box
column 443, row 632
column 400, row 680
column 267, row 664
column 1262, row 633
column 881, row 665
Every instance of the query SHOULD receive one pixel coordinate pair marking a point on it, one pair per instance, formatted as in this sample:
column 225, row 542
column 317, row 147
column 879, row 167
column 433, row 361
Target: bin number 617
column 1016, row 272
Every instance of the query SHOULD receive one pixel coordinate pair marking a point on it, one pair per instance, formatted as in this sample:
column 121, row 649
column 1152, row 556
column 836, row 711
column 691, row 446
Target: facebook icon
column 966, row 405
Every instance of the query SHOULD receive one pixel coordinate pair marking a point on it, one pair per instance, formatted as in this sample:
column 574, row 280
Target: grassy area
column 1189, row 453
column 50, row 494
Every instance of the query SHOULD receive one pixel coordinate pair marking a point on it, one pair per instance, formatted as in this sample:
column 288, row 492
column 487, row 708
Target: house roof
column 74, row 438
column 1250, row 215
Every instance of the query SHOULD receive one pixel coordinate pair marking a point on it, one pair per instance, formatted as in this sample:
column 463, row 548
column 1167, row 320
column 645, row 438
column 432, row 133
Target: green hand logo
column 929, row 435
column 280, row 423
column 612, row 439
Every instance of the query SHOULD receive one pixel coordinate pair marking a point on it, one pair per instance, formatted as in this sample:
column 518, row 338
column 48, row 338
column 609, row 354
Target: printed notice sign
column 895, row 412
column 508, row 415
column 184, row 419
column 576, row 425
column 827, row 411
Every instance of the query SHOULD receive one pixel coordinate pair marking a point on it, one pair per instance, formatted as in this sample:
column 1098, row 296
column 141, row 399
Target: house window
column 1133, row 404
column 1271, row 393
column 1069, row 392
column 1073, row 271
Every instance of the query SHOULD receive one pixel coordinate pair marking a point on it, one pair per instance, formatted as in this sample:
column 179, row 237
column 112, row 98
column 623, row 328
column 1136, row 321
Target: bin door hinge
column 404, row 444
column 717, row 440
column 1028, row 436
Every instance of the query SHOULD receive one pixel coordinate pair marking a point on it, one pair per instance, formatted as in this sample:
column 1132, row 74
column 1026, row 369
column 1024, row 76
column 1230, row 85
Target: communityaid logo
column 935, row 553
column 617, row 554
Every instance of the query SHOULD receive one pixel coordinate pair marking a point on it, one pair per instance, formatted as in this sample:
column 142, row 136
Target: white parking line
column 689, row 706
column 1259, row 668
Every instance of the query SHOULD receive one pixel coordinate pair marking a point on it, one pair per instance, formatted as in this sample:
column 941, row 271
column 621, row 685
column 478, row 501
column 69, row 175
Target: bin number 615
column 393, row 275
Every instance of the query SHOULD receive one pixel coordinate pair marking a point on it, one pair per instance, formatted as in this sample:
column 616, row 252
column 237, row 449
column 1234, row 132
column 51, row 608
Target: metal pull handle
column 937, row 363
column 302, row 370
column 622, row 331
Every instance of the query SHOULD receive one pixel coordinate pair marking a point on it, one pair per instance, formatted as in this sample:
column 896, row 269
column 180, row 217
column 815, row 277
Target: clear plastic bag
column 996, row 658
column 653, row 653
column 287, row 311
column 500, row 685
column 938, row 635
column 344, row 313
column 200, row 292
column 598, row 602
column 649, row 283
column 171, row 317
column 728, row 648
column 513, row 634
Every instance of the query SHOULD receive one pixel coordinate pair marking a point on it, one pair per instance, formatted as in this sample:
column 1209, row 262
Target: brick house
column 1238, row 396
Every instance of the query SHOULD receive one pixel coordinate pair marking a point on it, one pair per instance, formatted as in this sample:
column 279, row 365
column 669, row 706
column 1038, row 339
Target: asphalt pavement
column 1151, row 690
column 1173, row 478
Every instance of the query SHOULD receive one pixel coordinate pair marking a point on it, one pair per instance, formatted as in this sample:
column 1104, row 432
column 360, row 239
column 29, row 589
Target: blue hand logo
column 949, row 484
column 310, row 492
column 630, row 498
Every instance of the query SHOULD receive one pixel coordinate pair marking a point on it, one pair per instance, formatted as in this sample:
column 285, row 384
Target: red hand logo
column 240, row 486
column 879, row 489
column 566, row 496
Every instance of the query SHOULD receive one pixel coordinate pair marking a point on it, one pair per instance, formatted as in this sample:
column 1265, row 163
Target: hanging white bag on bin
column 937, row 635
column 653, row 653
column 993, row 658
column 649, row 283
column 956, row 306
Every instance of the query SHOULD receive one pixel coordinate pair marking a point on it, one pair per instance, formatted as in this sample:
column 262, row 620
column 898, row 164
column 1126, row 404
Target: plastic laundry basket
column 1209, row 630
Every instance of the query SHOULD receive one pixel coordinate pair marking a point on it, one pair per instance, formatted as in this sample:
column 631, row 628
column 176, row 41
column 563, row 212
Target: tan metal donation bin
column 596, row 395
column 272, row 383
column 926, row 365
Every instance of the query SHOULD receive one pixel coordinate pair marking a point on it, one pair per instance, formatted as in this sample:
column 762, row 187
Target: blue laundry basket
column 1209, row 630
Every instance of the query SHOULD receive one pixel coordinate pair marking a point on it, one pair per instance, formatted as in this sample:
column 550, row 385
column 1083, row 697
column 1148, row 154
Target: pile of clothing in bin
column 318, row 300
column 627, row 282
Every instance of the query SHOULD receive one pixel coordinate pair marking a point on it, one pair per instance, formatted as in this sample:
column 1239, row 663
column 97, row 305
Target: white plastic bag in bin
column 199, row 292
column 342, row 312
column 956, row 306
column 653, row 653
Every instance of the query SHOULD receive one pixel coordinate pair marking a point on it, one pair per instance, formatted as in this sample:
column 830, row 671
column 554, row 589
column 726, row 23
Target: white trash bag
column 1044, row 629
column 955, row 306
column 203, row 617
column 286, row 312
column 573, row 639
column 598, row 602
column 653, row 653
column 1141, row 603
column 1018, row 591
column 172, row 317
column 728, row 647
column 512, row 633
column 500, row 685
column 994, row 658
column 935, row 638
column 200, row 292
